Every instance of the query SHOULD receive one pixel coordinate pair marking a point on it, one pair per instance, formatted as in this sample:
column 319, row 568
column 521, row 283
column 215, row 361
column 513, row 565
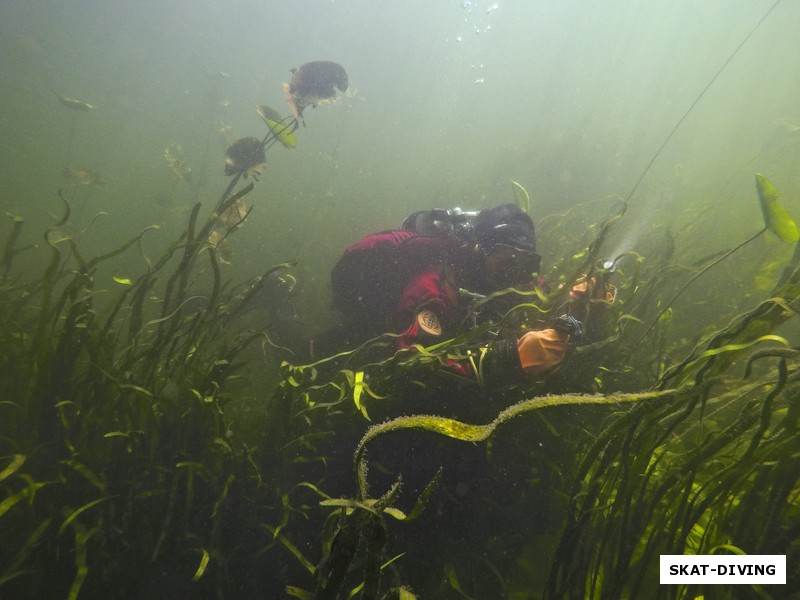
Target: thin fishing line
column 696, row 100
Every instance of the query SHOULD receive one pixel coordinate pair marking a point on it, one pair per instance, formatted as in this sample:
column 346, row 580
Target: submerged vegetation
column 120, row 475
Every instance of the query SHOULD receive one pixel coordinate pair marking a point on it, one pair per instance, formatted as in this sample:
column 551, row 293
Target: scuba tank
column 440, row 222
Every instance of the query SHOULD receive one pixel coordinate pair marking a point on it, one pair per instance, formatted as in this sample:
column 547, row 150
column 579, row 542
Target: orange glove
column 542, row 351
column 604, row 291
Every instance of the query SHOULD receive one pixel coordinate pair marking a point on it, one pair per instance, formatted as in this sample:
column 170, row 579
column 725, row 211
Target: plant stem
column 698, row 274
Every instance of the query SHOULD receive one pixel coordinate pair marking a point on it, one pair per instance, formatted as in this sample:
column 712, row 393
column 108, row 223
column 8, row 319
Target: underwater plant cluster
column 378, row 475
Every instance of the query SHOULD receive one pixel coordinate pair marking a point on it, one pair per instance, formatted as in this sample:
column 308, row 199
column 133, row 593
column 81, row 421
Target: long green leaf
column 201, row 568
column 297, row 592
column 16, row 462
column 466, row 432
column 776, row 217
column 284, row 132
column 521, row 196
column 8, row 503
column 293, row 549
column 76, row 513
column 12, row 570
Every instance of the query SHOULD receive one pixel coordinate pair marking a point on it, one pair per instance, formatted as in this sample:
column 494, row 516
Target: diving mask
column 506, row 266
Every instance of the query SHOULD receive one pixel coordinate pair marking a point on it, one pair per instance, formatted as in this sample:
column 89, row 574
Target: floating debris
column 314, row 84
column 78, row 177
column 217, row 75
column 226, row 135
column 218, row 239
column 235, row 215
column 789, row 127
column 173, row 154
column 229, row 221
column 246, row 156
column 74, row 104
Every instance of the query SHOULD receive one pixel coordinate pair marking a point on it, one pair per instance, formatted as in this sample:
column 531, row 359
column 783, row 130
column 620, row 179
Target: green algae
column 117, row 454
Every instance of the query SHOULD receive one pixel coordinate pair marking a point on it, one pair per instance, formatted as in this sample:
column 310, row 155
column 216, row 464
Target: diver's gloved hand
column 602, row 291
column 542, row 351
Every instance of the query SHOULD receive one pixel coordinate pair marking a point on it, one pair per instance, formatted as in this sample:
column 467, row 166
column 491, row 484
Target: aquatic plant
column 314, row 84
column 121, row 471
column 679, row 460
column 115, row 437
column 119, row 468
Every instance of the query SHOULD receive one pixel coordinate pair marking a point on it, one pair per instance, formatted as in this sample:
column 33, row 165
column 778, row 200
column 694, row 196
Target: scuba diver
column 413, row 282
column 421, row 283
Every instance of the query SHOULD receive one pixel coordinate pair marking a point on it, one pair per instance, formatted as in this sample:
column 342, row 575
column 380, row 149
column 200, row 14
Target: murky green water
column 146, row 449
